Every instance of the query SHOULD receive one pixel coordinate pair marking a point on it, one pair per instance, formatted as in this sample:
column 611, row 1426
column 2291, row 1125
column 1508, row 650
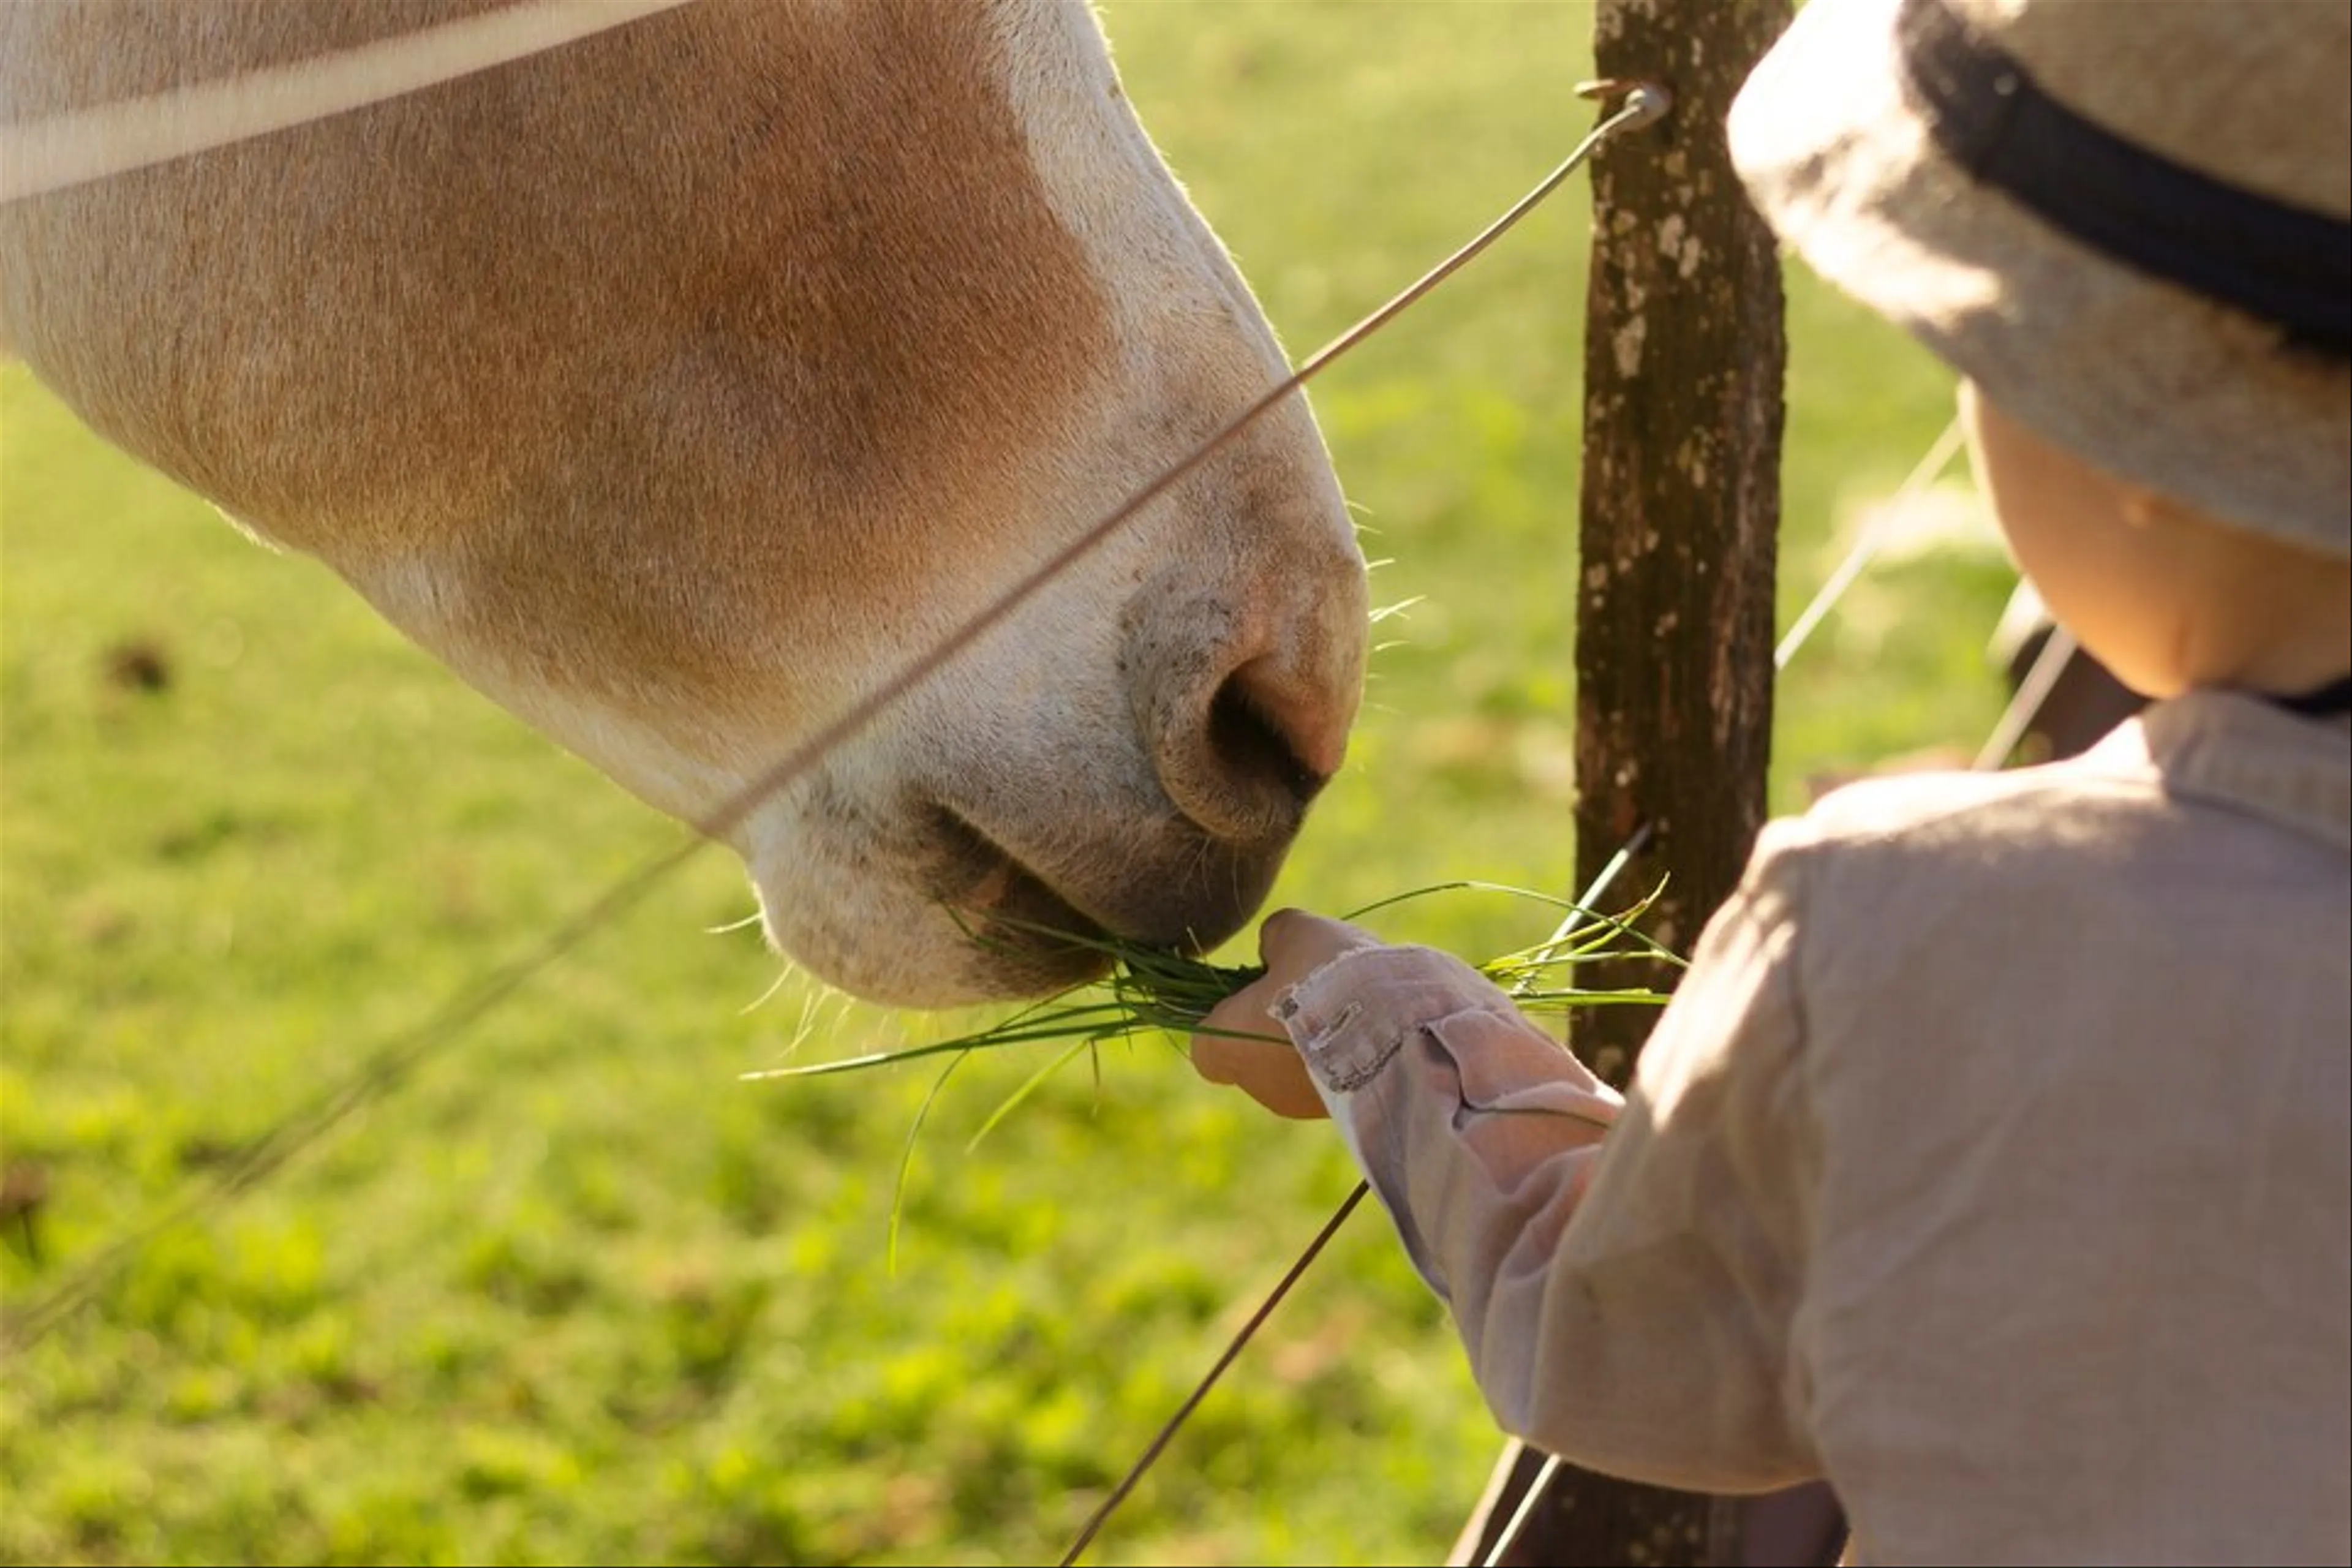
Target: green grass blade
column 906, row 1161
column 1029, row 1086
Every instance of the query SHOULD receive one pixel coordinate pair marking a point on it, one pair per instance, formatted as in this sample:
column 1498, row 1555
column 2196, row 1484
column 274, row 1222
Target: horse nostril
column 1252, row 745
column 1245, row 715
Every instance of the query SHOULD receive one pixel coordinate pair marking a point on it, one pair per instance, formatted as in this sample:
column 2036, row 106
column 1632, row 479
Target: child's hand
column 1266, row 1065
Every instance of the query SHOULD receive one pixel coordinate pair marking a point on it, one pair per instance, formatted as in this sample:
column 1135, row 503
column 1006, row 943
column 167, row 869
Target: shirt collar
column 2242, row 753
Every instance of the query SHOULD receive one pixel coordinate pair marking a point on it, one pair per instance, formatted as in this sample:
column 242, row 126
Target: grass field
column 573, row 1291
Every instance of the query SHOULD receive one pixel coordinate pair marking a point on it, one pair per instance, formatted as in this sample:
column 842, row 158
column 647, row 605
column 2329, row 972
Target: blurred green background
column 573, row 1291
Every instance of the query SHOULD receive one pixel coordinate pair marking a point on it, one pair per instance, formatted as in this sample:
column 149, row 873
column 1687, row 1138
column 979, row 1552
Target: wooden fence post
column 1683, row 364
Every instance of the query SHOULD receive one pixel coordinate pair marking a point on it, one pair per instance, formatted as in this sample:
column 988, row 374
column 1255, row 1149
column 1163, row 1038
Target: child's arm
column 1644, row 1329
column 1415, row 1051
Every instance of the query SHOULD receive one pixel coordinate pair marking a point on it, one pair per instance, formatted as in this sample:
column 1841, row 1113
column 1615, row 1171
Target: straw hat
column 2126, row 222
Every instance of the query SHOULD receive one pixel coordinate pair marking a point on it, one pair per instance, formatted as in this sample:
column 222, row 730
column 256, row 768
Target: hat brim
column 2147, row 381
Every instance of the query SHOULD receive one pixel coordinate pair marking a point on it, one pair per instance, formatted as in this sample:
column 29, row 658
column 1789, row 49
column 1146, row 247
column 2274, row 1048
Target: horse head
column 680, row 385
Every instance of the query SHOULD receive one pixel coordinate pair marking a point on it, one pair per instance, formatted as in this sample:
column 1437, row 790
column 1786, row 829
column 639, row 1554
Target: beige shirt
column 1991, row 1161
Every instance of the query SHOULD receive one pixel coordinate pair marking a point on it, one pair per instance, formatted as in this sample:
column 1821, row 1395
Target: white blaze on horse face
column 682, row 384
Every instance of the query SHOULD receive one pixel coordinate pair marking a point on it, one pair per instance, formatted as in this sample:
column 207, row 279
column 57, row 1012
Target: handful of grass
column 1152, row 989
column 1155, row 991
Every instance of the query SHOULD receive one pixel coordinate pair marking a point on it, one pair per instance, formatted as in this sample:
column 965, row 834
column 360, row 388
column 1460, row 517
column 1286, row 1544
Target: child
column 1994, row 1159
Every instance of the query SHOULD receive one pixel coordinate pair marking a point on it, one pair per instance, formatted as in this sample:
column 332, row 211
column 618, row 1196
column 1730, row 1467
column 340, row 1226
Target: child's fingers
column 1268, row 1071
column 1247, row 1011
column 1239, row 1045
column 1296, row 943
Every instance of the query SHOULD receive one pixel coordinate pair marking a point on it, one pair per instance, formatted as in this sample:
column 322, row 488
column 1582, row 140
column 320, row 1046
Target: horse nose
column 1243, row 706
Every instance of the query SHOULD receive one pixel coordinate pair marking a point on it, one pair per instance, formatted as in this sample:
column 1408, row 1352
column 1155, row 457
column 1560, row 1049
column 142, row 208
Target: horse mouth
column 1030, row 937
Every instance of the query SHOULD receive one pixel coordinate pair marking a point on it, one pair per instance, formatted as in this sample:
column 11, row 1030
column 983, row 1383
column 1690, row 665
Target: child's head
column 2127, row 226
column 2167, row 596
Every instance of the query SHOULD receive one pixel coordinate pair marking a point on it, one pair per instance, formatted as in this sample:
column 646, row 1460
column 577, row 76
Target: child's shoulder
column 2208, row 768
column 1877, row 864
column 2115, row 782
column 2200, row 790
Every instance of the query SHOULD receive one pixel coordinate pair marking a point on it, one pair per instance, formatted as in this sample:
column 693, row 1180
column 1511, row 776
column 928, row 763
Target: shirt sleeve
column 1626, row 1301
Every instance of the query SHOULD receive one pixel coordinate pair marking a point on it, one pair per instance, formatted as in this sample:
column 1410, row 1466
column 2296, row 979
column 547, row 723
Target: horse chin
column 935, row 918
column 1027, row 933
column 1026, row 940
column 1021, row 936
column 945, row 916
